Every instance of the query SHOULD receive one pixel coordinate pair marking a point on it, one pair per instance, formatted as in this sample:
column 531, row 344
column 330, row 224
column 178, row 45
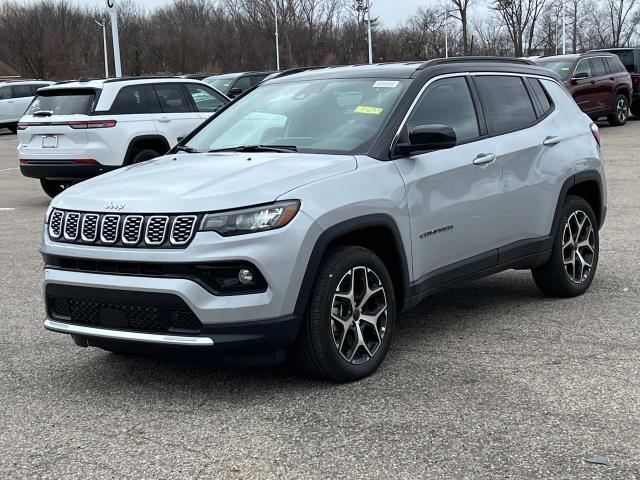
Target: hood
column 202, row 182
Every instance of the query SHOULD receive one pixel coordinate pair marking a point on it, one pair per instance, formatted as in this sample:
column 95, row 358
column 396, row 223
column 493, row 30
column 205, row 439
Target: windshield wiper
column 257, row 148
column 184, row 148
column 43, row 113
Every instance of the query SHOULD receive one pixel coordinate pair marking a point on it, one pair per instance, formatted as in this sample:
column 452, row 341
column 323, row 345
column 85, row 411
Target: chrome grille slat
column 132, row 229
column 55, row 223
column 122, row 230
column 182, row 229
column 156, row 230
column 71, row 225
column 109, row 228
column 89, row 230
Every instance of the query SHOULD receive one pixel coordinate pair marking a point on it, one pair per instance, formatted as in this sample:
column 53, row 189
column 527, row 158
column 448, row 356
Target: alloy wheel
column 359, row 315
column 578, row 246
column 622, row 110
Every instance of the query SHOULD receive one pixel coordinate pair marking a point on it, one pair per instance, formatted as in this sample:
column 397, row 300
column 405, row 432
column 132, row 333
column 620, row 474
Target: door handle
column 484, row 159
column 592, row 82
column 551, row 141
column 611, row 78
column 164, row 119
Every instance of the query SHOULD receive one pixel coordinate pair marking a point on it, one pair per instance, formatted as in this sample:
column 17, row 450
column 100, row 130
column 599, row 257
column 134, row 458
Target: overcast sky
column 390, row 12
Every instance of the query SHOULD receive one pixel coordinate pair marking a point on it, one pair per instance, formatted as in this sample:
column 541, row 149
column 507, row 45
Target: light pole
column 564, row 42
column 369, row 31
column 446, row 39
column 275, row 14
column 103, row 25
column 113, row 11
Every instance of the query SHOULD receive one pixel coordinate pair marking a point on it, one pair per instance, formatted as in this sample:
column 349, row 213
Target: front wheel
column 144, row 155
column 348, row 325
column 574, row 255
column 51, row 187
column 620, row 112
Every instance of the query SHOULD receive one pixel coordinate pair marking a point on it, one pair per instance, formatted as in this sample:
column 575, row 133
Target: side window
column 597, row 67
column 206, row 100
column 256, row 79
column 614, row 65
column 506, row 103
column 583, row 67
column 171, row 98
column 541, row 95
column 5, row 94
column 135, row 99
column 448, row 102
column 21, row 91
column 243, row 83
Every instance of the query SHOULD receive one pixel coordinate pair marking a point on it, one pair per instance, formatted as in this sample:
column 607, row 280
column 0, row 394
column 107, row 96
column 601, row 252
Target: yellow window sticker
column 369, row 110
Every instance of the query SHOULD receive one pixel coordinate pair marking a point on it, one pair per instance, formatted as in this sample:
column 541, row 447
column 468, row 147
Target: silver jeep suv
column 302, row 218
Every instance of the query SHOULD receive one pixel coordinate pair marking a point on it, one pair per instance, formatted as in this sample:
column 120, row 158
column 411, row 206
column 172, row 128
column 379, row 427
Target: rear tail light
column 92, row 124
column 78, row 125
column 596, row 133
column 635, row 80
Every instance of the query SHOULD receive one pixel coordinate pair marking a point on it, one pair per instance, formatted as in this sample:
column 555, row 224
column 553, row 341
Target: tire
column 328, row 345
column 51, row 187
column 13, row 128
column 575, row 243
column 620, row 113
column 143, row 156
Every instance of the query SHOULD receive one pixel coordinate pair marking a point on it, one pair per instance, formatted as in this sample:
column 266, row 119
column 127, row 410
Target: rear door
column 53, row 124
column 177, row 116
column 604, row 85
column 22, row 95
column 6, row 104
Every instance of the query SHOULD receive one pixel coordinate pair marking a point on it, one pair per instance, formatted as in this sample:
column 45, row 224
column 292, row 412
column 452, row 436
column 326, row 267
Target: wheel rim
column 621, row 110
column 359, row 315
column 578, row 246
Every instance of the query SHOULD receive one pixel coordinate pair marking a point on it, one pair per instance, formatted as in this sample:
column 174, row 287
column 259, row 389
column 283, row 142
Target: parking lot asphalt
column 489, row 380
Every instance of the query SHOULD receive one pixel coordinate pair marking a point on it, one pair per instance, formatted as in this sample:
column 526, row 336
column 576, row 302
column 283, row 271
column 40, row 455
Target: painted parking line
column 7, row 169
column 6, row 209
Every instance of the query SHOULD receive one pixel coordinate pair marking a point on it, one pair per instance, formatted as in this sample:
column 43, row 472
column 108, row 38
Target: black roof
column 400, row 70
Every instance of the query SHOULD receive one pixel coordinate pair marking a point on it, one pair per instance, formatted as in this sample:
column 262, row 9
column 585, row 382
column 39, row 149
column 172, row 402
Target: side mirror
column 580, row 75
column 234, row 92
column 423, row 138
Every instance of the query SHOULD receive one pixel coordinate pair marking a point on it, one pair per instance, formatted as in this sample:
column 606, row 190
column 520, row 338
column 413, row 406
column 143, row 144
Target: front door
column 452, row 194
column 584, row 89
column 177, row 117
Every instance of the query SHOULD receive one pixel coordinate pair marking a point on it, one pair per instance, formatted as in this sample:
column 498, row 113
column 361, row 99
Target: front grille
column 116, row 230
column 162, row 313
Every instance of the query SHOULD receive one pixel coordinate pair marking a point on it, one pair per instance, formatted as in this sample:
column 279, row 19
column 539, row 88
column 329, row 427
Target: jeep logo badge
column 114, row 206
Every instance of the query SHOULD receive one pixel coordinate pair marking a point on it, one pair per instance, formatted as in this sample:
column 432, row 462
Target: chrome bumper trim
column 123, row 335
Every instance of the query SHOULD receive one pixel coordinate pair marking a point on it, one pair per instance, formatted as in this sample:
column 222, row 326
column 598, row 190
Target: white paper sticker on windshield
column 385, row 84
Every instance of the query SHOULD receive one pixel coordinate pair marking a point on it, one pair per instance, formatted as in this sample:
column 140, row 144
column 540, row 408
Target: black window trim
column 578, row 63
column 540, row 113
column 155, row 95
column 180, row 87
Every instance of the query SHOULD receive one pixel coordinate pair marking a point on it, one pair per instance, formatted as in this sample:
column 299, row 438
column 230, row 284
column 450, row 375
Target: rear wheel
column 13, row 128
column 347, row 329
column 574, row 256
column 620, row 112
column 144, row 155
column 52, row 187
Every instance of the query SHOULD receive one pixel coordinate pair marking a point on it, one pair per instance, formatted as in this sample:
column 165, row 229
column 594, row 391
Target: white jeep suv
column 15, row 97
column 80, row 129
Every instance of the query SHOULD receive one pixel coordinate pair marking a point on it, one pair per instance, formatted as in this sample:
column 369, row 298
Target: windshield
column 561, row 67
column 220, row 84
column 63, row 102
column 319, row 116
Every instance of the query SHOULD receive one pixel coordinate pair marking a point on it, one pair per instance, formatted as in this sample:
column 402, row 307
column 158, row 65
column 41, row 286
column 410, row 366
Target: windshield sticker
column 369, row 110
column 385, row 84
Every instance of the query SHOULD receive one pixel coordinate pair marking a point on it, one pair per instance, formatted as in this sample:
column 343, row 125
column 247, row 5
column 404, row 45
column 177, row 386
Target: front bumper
column 62, row 169
column 263, row 321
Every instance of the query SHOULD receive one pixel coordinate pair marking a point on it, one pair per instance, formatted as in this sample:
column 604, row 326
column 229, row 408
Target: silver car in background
column 302, row 218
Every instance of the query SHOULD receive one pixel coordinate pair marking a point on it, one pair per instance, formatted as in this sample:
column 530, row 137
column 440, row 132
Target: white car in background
column 80, row 129
column 15, row 97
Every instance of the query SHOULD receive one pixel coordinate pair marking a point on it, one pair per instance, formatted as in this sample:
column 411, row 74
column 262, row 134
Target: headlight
column 250, row 220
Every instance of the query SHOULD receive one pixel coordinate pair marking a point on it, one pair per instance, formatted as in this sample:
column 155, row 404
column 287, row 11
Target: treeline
column 56, row 39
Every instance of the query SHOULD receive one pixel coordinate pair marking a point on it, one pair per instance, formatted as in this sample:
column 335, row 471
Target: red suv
column 598, row 82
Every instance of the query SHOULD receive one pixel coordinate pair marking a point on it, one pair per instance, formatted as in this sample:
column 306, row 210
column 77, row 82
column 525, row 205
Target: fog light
column 245, row 276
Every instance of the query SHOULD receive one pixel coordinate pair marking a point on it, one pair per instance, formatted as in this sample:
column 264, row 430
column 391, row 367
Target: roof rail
column 143, row 77
column 471, row 59
column 291, row 71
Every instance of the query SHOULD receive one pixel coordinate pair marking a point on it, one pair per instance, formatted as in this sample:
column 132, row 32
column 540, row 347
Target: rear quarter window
column 64, row 102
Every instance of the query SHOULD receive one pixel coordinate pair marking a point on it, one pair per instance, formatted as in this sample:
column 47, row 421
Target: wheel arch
column 377, row 232
column 624, row 89
column 588, row 185
column 155, row 142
